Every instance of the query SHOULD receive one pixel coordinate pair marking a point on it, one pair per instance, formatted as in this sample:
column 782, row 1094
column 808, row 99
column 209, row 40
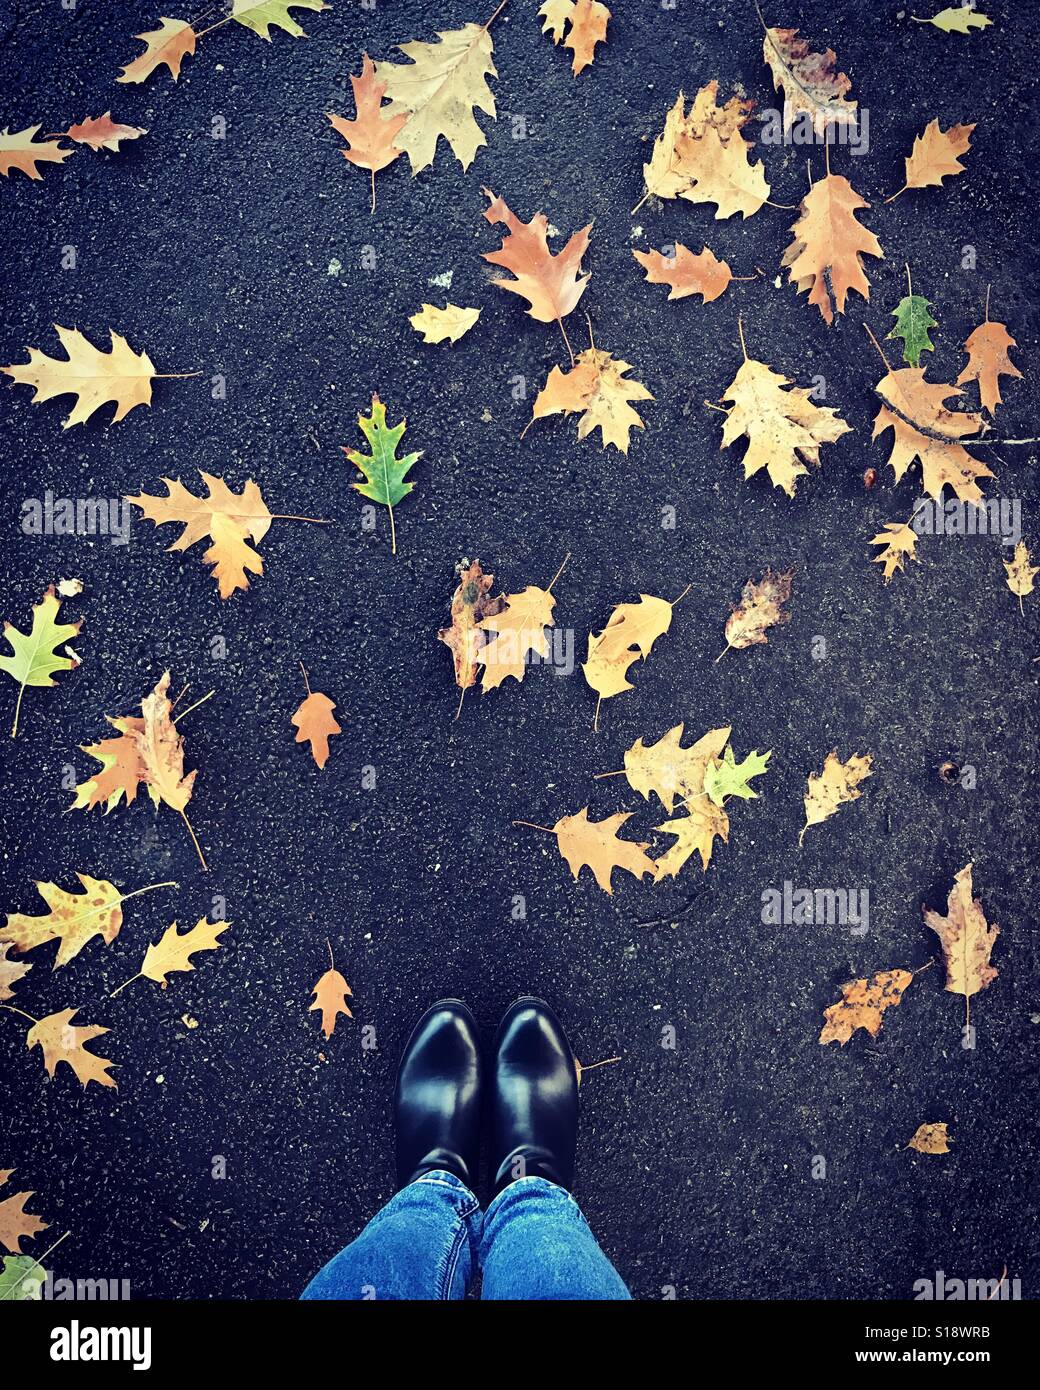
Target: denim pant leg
column 537, row 1245
column 421, row 1245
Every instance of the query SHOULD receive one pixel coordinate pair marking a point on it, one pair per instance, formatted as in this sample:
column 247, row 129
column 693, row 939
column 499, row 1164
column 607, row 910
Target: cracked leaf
column 810, row 82
column 760, row 608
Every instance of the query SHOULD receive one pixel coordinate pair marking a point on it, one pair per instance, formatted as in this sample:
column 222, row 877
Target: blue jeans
column 532, row 1243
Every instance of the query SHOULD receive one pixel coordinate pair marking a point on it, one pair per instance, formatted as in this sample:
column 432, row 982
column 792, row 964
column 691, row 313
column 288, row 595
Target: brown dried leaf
column 862, row 1003
column 760, row 608
column 967, row 939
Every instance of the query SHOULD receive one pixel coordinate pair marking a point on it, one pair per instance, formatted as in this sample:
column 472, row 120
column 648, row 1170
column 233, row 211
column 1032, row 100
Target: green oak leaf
column 34, row 660
column 260, row 15
column 21, row 1279
column 957, row 19
column 384, row 471
column 730, row 778
column 913, row 316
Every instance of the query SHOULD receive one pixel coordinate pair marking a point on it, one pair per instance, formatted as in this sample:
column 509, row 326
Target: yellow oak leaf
column 519, row 630
column 17, row 1224
column 831, row 788
column 597, row 389
column 161, row 749
column 171, row 43
column 694, row 832
column 19, row 149
column 629, row 635
column 935, row 156
column 72, row 919
column 94, row 377
column 436, row 324
column 330, row 996
column 1020, row 573
column 924, row 429
column 668, row 770
column 826, row 255
column 595, row 845
column 703, row 156
column 262, row 15
column 173, row 950
column 931, row 1139
column 862, row 1004
column 588, row 27
column 967, row 939
column 899, row 540
column 11, row 971
column 62, row 1041
column 785, row 430
column 988, row 360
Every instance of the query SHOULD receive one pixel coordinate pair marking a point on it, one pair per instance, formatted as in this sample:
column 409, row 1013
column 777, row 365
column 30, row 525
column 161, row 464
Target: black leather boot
column 534, row 1098
column 439, row 1095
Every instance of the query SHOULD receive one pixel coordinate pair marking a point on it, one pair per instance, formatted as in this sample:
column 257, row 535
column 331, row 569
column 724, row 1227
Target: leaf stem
column 194, row 840
column 556, row 576
column 202, row 701
column 530, row 825
column 13, row 1009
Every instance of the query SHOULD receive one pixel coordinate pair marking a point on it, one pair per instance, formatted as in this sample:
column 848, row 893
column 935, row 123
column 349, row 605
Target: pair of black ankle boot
column 525, row 1095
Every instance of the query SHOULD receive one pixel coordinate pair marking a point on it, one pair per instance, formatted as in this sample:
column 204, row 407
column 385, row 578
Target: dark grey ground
column 694, row 1163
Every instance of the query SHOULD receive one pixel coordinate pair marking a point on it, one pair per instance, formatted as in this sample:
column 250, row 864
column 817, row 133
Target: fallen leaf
column 704, row 158
column 93, row 376
column 436, row 324
column 862, row 1004
column 262, row 15
column 667, row 770
column 595, row 845
column 161, row 750
column 17, row 1224
column 1020, row 573
column 730, row 778
column 171, row 43
column 11, row 971
column 687, row 273
column 826, row 255
column 588, row 27
column 809, row 81
column 518, row 627
column 370, row 136
column 21, row 1279
column 61, row 1041
column 315, row 723
column 471, row 602
column 72, row 919
column 695, row 833
column 987, row 348
column 383, row 471
column 552, row 285
column 956, row 19
column 597, row 389
column 913, row 319
column 760, row 608
column 630, row 633
column 34, row 660
column 835, row 785
column 899, row 540
column 20, row 150
column 121, row 771
column 930, row 1139
column 785, row 429
column 935, row 156
column 967, row 939
column 330, row 996
column 102, row 132
column 173, row 951
column 439, row 91
column 924, row 429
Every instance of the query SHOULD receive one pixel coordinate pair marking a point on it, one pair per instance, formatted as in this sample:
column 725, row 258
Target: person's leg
column 421, row 1245
column 537, row 1245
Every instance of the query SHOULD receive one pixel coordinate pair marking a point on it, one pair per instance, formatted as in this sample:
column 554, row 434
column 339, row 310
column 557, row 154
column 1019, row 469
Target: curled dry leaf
column 370, row 136
column 835, row 785
column 330, row 996
column 62, row 1041
column 596, row 388
column 470, row 604
column 436, row 324
column 21, row 150
column 595, row 845
column 935, row 156
column 588, row 27
column 102, row 132
column 703, row 156
column 170, row 44
column 17, row 1224
column 967, row 939
column 93, row 376
column 826, row 255
column 810, row 82
column 438, row 92
column 924, row 429
column 862, row 1004
column 687, row 273
column 1020, row 573
column 760, row 608
column 34, row 659
column 987, row 348
column 931, row 1139
column 899, row 542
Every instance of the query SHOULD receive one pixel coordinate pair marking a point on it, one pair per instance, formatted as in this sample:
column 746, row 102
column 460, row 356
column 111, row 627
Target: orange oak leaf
column 552, row 285
column 862, row 1004
column 330, row 997
column 121, row 771
column 20, row 150
column 314, row 721
column 171, row 43
column 987, row 348
column 17, row 1224
column 588, row 27
column 924, row 429
column 826, row 255
column 899, row 540
column 597, row 389
column 935, row 156
column 102, row 132
column 370, row 136
column 470, row 604
column 967, row 939
column 62, row 1041
column 595, row 845
column 687, row 273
